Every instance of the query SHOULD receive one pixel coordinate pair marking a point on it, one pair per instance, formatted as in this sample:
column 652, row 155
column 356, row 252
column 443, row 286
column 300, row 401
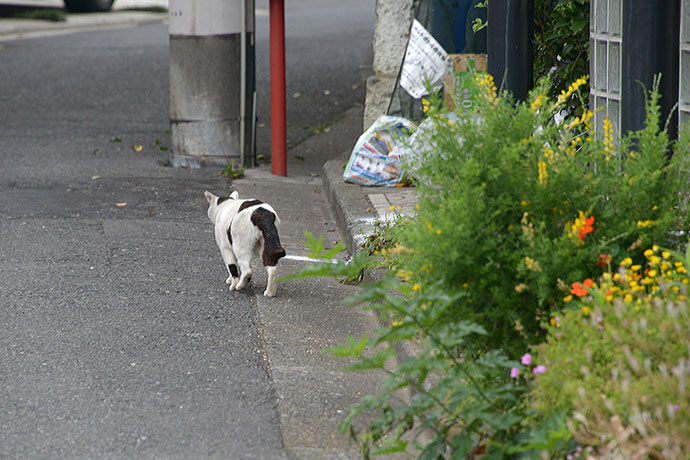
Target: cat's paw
column 229, row 280
column 270, row 291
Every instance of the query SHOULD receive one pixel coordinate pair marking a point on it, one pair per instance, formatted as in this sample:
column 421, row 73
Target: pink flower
column 676, row 408
column 514, row 372
column 540, row 369
column 526, row 359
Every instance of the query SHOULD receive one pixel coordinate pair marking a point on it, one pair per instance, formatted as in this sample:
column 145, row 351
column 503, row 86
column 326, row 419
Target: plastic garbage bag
column 375, row 158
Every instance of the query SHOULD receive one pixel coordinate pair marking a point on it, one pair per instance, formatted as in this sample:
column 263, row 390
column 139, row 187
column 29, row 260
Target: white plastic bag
column 375, row 159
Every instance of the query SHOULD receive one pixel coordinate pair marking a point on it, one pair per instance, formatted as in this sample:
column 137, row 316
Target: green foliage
column 437, row 401
column 232, row 171
column 561, row 42
column 41, row 14
column 513, row 207
column 621, row 360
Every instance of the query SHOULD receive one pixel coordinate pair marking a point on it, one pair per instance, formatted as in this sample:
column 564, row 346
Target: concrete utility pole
column 212, row 95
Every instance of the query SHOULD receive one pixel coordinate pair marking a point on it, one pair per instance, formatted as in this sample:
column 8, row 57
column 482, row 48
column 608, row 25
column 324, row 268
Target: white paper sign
column 424, row 60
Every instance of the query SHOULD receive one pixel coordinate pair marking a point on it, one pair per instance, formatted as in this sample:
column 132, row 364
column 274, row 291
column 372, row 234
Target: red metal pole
column 278, row 136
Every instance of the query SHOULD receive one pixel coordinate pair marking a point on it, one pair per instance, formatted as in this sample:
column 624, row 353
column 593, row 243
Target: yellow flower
column 626, row 262
column 542, row 173
column 416, row 287
column 522, row 287
column 538, row 102
column 397, row 323
column 567, row 298
column 586, row 311
column 465, row 285
column 608, row 138
column 648, row 253
column 532, row 264
column 571, row 89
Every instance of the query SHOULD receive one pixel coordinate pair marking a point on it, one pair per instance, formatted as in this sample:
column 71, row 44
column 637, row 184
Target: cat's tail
column 264, row 220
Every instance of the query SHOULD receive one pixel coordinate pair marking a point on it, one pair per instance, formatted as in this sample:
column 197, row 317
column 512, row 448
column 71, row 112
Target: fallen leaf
column 95, row 177
column 138, row 148
column 296, row 94
column 119, row 205
column 326, row 92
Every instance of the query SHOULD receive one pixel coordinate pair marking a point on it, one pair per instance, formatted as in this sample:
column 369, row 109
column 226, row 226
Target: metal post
column 277, row 51
column 509, row 45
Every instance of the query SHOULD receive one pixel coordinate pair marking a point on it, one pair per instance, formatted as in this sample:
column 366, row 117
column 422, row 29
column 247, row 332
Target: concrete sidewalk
column 15, row 28
column 313, row 391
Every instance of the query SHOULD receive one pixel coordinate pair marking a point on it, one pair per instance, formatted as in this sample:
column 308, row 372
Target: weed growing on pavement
column 232, row 171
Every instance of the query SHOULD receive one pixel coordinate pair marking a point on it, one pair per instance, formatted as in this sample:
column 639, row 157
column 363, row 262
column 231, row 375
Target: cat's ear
column 209, row 197
column 234, row 195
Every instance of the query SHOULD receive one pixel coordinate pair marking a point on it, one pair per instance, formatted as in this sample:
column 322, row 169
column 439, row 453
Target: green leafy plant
column 232, row 171
column 618, row 360
column 561, row 43
column 436, row 401
column 512, row 203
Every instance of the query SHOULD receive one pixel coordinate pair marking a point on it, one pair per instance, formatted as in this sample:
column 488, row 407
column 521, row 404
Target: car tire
column 88, row 6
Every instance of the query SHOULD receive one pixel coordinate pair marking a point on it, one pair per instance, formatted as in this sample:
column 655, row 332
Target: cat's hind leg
column 271, row 284
column 243, row 260
column 231, row 266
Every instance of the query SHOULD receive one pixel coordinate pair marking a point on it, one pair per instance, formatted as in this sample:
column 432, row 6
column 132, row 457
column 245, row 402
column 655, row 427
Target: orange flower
column 604, row 260
column 579, row 289
column 587, row 228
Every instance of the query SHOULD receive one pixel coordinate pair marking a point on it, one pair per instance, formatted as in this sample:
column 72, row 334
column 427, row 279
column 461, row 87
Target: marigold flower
column 587, row 228
column 578, row 290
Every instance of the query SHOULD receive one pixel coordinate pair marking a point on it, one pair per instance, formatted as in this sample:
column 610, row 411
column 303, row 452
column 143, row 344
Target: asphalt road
column 118, row 341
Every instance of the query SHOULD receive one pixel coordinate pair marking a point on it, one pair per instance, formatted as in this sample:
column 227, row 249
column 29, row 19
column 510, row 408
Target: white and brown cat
column 242, row 227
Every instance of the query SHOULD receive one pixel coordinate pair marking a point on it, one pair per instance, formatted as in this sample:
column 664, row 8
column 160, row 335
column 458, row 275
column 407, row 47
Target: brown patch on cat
column 248, row 204
column 221, row 199
column 273, row 251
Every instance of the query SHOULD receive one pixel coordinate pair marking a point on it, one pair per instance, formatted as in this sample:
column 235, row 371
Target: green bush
column 512, row 205
column 436, row 402
column 561, row 42
column 619, row 361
